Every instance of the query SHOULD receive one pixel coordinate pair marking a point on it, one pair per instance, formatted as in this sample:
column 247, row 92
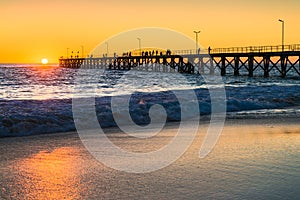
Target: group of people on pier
column 149, row 53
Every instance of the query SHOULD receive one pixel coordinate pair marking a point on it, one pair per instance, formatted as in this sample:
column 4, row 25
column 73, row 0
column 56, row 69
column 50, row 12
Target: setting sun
column 44, row 61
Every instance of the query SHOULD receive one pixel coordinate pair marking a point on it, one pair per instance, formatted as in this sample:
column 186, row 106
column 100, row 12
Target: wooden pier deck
column 262, row 60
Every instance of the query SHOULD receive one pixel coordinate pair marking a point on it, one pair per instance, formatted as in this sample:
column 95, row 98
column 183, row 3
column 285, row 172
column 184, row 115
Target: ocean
column 36, row 99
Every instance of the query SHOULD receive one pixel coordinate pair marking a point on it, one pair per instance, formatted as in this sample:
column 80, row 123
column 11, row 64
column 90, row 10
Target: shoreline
column 204, row 121
column 260, row 120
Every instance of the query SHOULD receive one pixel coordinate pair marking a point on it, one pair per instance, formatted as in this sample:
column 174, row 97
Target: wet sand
column 253, row 159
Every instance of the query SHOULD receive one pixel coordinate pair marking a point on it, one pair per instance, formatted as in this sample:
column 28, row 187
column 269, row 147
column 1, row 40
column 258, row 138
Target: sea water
column 37, row 99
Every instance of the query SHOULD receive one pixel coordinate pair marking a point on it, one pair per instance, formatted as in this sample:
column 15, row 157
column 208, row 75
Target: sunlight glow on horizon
column 34, row 29
column 44, row 61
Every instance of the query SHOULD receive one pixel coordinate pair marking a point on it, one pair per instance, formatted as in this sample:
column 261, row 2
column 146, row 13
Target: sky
column 36, row 29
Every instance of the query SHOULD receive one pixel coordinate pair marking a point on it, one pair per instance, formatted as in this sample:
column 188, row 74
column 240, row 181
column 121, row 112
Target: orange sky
column 33, row 29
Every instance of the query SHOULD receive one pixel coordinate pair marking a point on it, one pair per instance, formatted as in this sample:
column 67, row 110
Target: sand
column 257, row 158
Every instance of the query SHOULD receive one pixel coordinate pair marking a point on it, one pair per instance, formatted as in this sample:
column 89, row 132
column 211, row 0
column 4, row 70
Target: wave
column 30, row 117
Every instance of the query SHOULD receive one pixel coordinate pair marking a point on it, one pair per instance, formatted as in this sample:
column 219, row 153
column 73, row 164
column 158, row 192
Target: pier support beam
column 283, row 65
column 250, row 65
column 266, row 66
column 211, row 66
column 201, row 65
column 236, row 66
column 223, row 66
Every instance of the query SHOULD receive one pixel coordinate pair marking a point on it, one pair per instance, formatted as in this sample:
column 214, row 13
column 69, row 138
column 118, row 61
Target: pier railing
column 186, row 52
column 257, row 49
column 230, row 50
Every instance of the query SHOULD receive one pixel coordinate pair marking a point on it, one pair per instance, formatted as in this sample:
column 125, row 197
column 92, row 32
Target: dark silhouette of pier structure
column 279, row 60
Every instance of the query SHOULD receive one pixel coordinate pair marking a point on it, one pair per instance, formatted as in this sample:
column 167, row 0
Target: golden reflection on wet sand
column 51, row 175
column 250, row 161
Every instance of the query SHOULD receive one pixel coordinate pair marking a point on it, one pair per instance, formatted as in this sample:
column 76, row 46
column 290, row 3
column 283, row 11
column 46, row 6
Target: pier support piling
column 223, row 66
column 250, row 66
column 266, row 66
column 236, row 66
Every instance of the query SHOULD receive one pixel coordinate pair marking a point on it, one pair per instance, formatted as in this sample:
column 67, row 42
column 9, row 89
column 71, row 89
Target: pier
column 251, row 61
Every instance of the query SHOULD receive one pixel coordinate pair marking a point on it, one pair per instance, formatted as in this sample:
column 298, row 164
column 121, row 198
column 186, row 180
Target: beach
column 254, row 158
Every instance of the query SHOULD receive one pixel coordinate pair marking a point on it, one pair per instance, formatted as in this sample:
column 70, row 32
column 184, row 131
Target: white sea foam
column 26, row 117
column 36, row 100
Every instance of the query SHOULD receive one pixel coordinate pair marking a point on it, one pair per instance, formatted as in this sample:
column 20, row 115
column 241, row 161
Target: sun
column 44, row 61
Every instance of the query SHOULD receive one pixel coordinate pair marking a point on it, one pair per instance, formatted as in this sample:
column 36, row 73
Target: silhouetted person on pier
column 209, row 49
column 146, row 53
column 160, row 54
column 199, row 51
column 143, row 53
column 168, row 52
column 156, row 53
column 129, row 54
